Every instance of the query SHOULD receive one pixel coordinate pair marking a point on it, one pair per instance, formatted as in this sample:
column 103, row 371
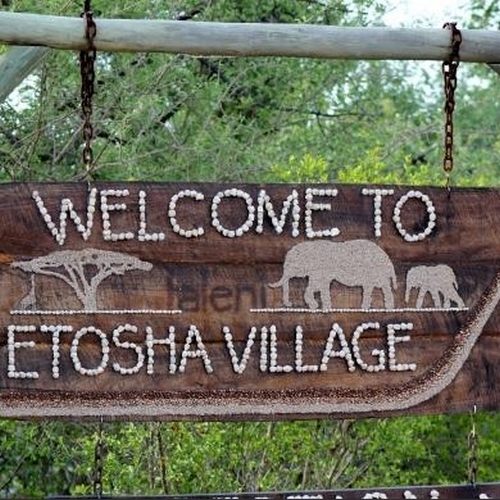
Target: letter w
column 67, row 209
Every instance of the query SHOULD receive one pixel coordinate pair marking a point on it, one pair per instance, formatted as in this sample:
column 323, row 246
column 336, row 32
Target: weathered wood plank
column 170, row 300
column 248, row 39
column 453, row 492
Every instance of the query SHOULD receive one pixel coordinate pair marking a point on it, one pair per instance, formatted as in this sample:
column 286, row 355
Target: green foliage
column 308, row 169
column 430, row 450
column 373, row 169
column 176, row 458
column 163, row 117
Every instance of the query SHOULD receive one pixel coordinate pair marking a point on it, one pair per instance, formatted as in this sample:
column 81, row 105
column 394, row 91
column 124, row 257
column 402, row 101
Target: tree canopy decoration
column 83, row 270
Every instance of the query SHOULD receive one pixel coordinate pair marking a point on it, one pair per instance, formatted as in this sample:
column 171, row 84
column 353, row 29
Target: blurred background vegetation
column 160, row 117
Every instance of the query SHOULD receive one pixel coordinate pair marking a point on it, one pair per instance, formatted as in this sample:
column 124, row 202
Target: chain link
column 450, row 67
column 99, row 451
column 472, row 443
column 87, row 61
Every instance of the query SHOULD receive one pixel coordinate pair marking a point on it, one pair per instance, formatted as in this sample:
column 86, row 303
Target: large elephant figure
column 358, row 263
column 439, row 280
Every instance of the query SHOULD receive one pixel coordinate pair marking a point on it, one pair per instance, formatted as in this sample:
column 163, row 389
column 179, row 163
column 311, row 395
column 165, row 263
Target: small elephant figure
column 439, row 280
column 355, row 263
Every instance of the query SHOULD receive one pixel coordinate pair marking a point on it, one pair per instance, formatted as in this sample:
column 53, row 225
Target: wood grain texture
column 101, row 348
column 452, row 492
column 247, row 39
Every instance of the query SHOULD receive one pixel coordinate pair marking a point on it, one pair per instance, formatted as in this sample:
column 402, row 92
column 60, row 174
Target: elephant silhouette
column 354, row 263
column 439, row 280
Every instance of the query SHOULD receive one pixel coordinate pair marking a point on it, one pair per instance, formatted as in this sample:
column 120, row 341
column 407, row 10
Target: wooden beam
column 248, row 39
column 495, row 68
column 16, row 65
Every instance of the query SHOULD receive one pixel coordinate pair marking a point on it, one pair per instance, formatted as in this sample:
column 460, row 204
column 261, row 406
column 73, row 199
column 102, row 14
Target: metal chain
column 98, row 461
column 450, row 67
column 87, row 60
column 472, row 443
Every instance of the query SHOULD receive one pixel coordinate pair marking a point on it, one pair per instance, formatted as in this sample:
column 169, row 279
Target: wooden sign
column 191, row 301
column 455, row 492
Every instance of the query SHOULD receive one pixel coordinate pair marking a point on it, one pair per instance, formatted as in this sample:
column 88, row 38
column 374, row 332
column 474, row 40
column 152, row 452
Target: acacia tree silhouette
column 83, row 270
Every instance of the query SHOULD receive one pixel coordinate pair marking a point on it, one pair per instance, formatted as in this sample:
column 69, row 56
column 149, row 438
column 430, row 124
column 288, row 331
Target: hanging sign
column 226, row 302
column 454, row 492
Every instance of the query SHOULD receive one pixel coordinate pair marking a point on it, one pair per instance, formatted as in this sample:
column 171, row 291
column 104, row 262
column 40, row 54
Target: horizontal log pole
column 248, row 39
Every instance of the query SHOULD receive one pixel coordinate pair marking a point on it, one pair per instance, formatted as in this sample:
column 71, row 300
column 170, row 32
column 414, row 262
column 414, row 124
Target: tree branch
column 321, row 114
column 64, row 278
